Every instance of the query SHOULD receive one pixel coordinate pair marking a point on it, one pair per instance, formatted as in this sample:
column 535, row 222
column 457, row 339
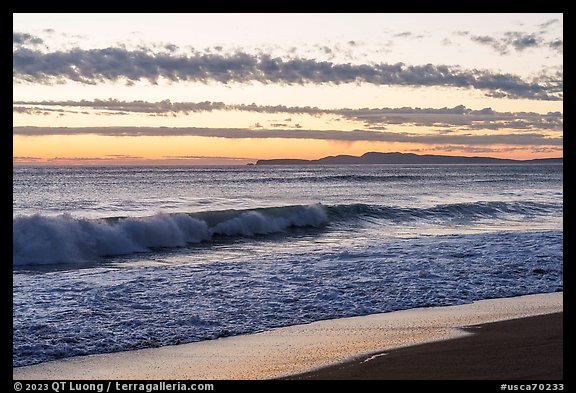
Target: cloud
column 26, row 159
column 165, row 106
column 31, row 110
column 515, row 41
column 374, row 118
column 496, row 44
column 81, row 158
column 409, row 35
column 492, row 149
column 521, row 41
column 549, row 23
column 476, row 149
column 556, row 45
column 458, row 116
column 205, row 157
column 25, row 38
column 547, row 149
column 92, row 66
column 120, row 159
column 122, row 156
column 334, row 135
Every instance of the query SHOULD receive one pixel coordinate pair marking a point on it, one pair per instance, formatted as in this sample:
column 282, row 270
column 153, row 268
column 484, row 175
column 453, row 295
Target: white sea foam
column 284, row 351
column 245, row 249
column 65, row 239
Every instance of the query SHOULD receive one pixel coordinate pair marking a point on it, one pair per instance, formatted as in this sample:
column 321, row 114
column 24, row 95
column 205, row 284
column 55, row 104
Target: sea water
column 109, row 258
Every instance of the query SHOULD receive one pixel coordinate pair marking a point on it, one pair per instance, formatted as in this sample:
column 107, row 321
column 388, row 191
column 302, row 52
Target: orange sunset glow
column 438, row 84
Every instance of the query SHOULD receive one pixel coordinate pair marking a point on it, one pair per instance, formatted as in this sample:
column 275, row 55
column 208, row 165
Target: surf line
column 374, row 357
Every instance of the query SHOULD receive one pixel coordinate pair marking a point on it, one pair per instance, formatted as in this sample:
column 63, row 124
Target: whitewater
column 109, row 259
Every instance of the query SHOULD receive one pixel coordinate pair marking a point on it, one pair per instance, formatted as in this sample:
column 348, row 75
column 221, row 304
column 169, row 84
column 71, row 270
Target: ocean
column 109, row 258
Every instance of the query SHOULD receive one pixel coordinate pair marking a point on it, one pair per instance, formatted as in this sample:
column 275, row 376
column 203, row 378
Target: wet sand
column 519, row 349
column 296, row 349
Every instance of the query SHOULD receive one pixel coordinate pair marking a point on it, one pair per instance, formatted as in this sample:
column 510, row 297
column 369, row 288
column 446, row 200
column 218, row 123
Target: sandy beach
column 297, row 349
column 519, row 349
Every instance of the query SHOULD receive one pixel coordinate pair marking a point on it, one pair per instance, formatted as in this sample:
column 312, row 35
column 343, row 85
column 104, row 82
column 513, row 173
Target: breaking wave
column 39, row 239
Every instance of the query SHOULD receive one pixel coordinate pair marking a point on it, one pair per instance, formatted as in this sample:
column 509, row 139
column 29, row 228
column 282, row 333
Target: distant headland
column 405, row 158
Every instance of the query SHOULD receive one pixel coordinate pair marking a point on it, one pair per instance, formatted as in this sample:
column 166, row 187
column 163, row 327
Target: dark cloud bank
column 335, row 135
column 458, row 116
column 92, row 66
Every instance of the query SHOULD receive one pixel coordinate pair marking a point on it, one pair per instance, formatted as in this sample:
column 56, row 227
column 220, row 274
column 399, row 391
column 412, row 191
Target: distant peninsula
column 405, row 158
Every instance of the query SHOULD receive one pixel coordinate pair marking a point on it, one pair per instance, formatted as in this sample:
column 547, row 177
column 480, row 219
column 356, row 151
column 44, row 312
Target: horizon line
column 224, row 161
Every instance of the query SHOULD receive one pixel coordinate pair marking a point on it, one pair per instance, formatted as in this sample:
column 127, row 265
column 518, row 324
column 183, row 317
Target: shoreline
column 528, row 348
column 293, row 350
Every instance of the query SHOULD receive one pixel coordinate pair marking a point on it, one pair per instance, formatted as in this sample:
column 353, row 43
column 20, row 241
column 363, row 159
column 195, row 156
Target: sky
column 233, row 88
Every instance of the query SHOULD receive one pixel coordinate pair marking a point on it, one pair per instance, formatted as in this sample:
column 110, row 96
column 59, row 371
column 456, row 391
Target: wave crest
column 445, row 212
column 41, row 239
column 64, row 239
